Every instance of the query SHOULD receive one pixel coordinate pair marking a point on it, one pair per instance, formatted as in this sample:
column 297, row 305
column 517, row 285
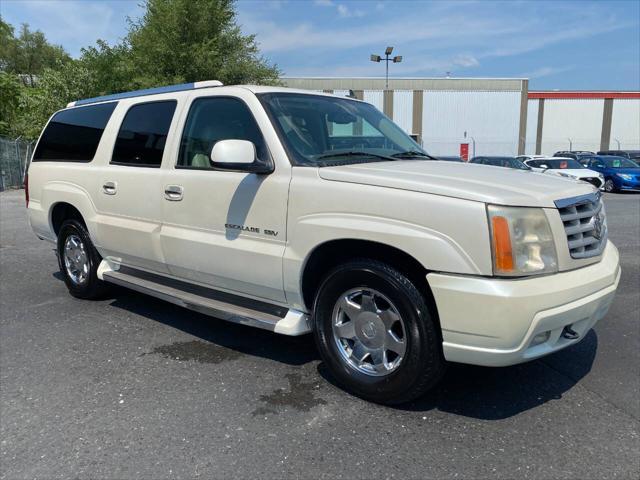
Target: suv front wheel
column 376, row 333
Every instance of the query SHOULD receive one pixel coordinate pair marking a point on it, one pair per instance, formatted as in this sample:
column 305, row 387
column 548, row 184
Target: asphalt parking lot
column 133, row 387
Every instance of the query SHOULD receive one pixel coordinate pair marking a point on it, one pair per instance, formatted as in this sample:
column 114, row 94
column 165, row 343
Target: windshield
column 515, row 163
column 509, row 162
column 620, row 162
column 322, row 131
column 556, row 164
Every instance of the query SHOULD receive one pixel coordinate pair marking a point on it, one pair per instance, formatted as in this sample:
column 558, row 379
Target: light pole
column 386, row 59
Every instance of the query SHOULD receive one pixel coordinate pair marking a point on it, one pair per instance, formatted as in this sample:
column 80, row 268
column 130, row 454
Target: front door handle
column 109, row 188
column 173, row 193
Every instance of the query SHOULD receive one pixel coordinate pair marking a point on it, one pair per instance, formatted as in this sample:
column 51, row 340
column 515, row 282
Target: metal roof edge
column 147, row 91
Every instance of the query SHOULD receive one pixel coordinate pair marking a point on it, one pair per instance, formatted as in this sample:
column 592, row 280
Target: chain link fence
column 15, row 155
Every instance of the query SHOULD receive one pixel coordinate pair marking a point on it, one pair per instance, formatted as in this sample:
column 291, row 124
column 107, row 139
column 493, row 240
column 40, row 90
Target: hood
column 481, row 183
column 578, row 172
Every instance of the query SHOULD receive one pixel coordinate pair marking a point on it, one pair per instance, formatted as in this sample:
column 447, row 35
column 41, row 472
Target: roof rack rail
column 148, row 91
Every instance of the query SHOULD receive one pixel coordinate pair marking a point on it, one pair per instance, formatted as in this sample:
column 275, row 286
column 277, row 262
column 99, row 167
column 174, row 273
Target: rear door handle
column 110, row 188
column 173, row 193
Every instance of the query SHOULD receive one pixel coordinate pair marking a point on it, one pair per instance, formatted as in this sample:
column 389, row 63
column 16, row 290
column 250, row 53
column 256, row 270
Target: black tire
column 423, row 363
column 92, row 287
column 609, row 186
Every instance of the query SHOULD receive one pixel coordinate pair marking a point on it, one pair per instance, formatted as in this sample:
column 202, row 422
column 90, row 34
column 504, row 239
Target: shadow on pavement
column 476, row 392
column 248, row 340
column 497, row 393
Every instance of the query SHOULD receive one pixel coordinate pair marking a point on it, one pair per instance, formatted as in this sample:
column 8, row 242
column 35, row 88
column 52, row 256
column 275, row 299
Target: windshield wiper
column 412, row 154
column 353, row 154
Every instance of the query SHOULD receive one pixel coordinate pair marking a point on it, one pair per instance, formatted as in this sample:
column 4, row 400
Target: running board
column 279, row 320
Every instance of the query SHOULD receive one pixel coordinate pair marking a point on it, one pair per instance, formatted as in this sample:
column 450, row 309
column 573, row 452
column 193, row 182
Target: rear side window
column 143, row 134
column 73, row 135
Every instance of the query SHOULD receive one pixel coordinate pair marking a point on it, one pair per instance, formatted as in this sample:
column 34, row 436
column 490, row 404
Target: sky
column 566, row 45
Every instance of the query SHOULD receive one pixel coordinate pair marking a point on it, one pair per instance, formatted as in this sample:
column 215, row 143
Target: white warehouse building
column 495, row 116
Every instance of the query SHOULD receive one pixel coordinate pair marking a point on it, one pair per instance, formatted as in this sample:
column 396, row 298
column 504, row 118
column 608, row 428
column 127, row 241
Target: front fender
column 433, row 249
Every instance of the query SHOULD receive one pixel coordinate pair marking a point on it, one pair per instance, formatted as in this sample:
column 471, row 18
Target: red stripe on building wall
column 568, row 95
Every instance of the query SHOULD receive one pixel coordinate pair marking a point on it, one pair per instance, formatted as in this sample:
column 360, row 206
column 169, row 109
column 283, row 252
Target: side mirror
column 544, row 165
column 237, row 155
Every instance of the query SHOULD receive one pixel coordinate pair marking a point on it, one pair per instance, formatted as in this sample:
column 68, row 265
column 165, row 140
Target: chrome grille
column 584, row 224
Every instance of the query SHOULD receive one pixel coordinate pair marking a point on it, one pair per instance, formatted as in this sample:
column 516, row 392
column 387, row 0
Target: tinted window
column 562, row 163
column 211, row 120
column 619, row 162
column 143, row 134
column 73, row 135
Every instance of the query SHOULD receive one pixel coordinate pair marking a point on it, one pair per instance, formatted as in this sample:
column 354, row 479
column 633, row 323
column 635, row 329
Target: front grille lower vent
column 584, row 224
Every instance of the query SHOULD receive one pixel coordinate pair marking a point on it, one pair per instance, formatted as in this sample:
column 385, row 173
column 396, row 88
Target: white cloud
column 546, row 71
column 465, row 60
column 76, row 24
column 343, row 10
column 441, row 37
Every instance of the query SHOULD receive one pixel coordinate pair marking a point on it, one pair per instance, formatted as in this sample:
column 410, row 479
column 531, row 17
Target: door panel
column 128, row 195
column 130, row 217
column 201, row 240
column 227, row 229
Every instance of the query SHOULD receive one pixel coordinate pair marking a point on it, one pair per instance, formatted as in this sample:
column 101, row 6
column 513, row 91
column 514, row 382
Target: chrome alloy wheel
column 76, row 259
column 369, row 332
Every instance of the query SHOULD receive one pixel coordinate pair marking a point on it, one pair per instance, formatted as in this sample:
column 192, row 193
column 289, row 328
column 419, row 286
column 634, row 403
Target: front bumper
column 622, row 184
column 493, row 322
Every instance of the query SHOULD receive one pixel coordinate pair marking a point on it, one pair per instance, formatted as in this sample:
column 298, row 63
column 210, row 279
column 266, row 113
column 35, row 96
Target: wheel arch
column 64, row 200
column 326, row 256
column 61, row 211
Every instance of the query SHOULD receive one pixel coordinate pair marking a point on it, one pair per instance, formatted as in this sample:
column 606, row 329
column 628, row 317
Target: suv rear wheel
column 376, row 333
column 78, row 261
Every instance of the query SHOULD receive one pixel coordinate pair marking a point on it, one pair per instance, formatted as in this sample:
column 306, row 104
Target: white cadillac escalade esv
column 301, row 212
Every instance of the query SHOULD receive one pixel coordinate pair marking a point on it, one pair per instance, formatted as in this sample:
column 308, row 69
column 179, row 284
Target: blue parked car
column 620, row 173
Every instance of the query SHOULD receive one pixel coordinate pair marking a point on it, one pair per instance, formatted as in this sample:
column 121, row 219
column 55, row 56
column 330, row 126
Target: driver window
column 213, row 119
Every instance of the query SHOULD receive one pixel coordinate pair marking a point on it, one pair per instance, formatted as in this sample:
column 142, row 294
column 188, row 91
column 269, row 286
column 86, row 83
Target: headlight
column 624, row 176
column 521, row 241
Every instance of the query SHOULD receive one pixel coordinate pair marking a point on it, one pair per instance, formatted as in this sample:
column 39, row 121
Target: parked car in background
column 523, row 158
column 507, row 162
column 449, row 158
column 620, row 173
column 568, row 168
column 575, row 154
column 630, row 154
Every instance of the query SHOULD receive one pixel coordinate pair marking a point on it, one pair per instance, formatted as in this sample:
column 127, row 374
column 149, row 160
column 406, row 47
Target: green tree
column 175, row 41
column 29, row 53
column 111, row 66
column 190, row 40
column 7, row 45
column 10, row 91
column 55, row 88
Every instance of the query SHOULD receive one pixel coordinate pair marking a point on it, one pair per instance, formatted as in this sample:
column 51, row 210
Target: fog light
column 540, row 338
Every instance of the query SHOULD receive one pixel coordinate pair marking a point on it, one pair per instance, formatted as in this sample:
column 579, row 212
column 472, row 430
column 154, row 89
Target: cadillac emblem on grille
column 597, row 226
